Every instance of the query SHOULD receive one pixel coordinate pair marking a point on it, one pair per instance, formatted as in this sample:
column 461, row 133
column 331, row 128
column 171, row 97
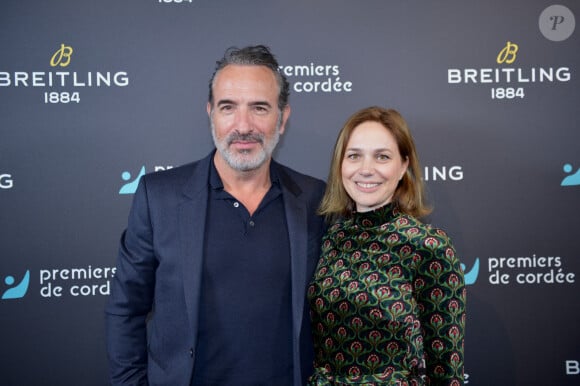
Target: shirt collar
column 215, row 181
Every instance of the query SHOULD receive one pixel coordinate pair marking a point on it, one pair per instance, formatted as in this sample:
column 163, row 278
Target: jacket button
column 191, row 352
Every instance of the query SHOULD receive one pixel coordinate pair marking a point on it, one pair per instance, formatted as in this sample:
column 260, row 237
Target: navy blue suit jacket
column 152, row 312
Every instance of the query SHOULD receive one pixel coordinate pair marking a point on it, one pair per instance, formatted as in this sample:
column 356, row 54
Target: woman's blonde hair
column 409, row 196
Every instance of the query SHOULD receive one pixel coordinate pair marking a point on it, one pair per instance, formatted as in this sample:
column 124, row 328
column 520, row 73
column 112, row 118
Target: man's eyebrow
column 260, row 103
column 231, row 102
column 225, row 102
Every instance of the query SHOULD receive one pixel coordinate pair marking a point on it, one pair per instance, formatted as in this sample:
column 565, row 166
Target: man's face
column 245, row 121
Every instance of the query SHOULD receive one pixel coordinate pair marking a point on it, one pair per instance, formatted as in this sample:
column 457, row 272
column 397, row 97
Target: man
column 214, row 264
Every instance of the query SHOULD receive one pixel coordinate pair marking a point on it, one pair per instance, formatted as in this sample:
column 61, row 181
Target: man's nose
column 243, row 121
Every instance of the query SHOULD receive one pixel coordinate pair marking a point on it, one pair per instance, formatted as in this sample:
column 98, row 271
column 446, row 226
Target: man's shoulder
column 186, row 179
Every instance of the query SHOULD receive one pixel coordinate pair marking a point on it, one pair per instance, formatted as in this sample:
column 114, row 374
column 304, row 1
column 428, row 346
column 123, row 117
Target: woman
column 388, row 298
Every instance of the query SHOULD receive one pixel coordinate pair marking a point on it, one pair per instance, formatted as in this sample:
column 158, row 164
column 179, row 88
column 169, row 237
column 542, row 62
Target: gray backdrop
column 92, row 93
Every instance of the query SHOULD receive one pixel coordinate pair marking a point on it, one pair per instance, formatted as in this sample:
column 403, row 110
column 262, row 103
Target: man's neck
column 249, row 187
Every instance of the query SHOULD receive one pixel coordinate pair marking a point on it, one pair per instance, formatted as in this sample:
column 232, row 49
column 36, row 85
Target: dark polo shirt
column 245, row 325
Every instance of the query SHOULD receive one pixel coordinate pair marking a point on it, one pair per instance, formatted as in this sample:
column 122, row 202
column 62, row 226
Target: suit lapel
column 192, row 214
column 296, row 218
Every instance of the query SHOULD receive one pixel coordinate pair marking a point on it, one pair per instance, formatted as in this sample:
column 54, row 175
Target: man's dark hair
column 255, row 56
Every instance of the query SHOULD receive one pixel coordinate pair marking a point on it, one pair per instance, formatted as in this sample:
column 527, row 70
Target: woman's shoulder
column 419, row 232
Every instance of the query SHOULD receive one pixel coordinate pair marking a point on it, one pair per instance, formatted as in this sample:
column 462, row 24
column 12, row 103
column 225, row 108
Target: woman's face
column 372, row 166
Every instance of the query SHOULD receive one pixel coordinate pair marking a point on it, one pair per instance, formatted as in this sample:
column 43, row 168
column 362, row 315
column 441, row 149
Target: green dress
column 387, row 303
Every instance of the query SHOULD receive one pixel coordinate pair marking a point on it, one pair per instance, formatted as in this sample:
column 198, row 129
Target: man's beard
column 244, row 160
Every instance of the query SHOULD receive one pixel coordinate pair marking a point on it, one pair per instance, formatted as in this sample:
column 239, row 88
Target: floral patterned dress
column 387, row 303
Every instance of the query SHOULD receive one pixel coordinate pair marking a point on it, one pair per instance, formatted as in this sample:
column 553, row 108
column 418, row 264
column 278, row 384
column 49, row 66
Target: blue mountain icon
column 19, row 290
column 131, row 187
column 471, row 276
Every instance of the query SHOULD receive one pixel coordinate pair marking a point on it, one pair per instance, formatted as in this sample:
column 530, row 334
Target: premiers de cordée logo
column 58, row 283
column 60, row 84
column 533, row 269
column 316, row 78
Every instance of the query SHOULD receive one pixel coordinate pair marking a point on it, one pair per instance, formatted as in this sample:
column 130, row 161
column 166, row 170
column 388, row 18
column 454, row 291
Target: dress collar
column 375, row 217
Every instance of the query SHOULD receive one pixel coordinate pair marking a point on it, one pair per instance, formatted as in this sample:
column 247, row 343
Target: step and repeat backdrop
column 94, row 94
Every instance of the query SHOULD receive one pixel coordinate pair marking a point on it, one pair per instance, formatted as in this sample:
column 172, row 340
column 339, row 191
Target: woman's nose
column 367, row 167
